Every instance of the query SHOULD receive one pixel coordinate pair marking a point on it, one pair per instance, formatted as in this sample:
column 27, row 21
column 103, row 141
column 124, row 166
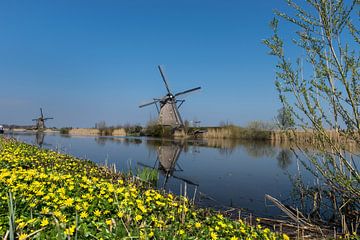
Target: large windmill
column 169, row 105
column 40, row 121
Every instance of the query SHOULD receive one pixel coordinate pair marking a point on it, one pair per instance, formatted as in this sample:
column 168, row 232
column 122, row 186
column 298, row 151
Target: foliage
column 284, row 119
column 156, row 130
column 322, row 90
column 259, row 126
column 58, row 196
column 65, row 130
column 133, row 130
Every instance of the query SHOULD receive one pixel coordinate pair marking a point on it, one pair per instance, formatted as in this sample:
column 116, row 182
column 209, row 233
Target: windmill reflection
column 166, row 163
column 39, row 139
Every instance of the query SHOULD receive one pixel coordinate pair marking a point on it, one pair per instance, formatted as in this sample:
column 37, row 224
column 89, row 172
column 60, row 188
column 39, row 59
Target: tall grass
column 235, row 132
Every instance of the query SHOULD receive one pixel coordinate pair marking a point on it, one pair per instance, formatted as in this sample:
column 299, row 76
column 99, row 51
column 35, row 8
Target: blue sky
column 87, row 61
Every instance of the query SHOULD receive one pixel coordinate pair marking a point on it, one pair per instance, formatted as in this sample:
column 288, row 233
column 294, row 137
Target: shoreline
column 80, row 176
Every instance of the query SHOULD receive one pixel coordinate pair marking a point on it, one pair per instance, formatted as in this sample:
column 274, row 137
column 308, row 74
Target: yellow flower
column 21, row 225
column 45, row 210
column 68, row 202
column 108, row 222
column 285, row 237
column 57, row 213
column 97, row 213
column 151, row 234
column 84, row 215
column 22, row 236
column 70, row 231
column 213, row 235
column 120, row 214
column 181, row 232
column 234, row 238
column 197, row 225
column 44, row 222
column 138, row 218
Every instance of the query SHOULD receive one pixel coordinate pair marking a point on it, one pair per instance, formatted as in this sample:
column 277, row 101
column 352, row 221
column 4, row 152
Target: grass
column 57, row 196
column 235, row 132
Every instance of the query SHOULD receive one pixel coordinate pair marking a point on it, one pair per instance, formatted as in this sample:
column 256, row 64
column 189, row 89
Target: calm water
column 222, row 173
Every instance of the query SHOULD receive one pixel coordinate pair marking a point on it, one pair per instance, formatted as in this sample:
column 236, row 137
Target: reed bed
column 235, row 132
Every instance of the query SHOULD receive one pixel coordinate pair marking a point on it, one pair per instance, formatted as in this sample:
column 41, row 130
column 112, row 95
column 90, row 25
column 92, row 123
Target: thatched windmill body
column 40, row 121
column 168, row 106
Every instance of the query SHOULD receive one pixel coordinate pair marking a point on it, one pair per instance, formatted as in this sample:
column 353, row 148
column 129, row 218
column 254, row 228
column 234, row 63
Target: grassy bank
column 47, row 195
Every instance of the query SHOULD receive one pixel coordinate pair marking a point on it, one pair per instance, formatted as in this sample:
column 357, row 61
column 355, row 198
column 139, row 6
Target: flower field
column 47, row 195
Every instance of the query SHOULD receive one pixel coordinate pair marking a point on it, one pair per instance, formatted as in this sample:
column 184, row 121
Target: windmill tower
column 168, row 106
column 40, row 121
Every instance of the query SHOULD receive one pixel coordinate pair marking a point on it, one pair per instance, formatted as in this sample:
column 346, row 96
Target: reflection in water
column 168, row 153
column 39, row 138
column 284, row 158
column 125, row 140
column 259, row 149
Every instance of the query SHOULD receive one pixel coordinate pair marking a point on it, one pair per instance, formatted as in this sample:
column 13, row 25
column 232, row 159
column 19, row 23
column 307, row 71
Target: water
column 222, row 173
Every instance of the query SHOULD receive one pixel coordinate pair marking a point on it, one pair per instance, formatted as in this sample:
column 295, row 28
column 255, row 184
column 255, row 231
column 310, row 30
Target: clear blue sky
column 87, row 61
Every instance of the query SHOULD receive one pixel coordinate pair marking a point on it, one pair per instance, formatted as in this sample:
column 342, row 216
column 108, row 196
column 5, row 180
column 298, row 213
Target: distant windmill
column 40, row 121
column 169, row 105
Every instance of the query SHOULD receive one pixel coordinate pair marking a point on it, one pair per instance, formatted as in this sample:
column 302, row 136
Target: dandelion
column 197, row 225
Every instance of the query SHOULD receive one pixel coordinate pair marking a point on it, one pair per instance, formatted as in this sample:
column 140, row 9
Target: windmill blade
column 149, row 103
column 35, row 119
column 187, row 91
column 42, row 115
column 185, row 180
column 164, row 79
column 48, row 118
column 144, row 165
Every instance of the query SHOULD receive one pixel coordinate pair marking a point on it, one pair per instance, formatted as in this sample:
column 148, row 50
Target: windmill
column 40, row 121
column 169, row 104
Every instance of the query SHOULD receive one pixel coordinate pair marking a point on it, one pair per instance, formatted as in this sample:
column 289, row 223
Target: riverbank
column 59, row 196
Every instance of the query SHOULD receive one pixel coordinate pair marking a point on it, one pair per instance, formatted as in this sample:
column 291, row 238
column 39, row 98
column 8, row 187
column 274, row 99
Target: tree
column 284, row 119
column 321, row 88
column 100, row 125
